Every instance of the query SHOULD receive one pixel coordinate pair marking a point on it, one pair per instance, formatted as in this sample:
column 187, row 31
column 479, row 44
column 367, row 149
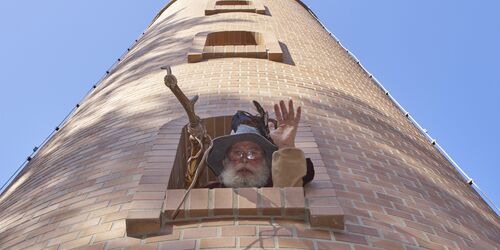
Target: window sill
column 228, row 203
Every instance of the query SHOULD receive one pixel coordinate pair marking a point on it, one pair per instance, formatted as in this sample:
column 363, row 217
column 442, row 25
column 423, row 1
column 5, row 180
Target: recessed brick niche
column 161, row 189
column 235, row 43
column 225, row 6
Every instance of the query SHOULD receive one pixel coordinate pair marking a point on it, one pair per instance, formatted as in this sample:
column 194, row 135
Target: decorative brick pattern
column 237, row 203
column 233, row 203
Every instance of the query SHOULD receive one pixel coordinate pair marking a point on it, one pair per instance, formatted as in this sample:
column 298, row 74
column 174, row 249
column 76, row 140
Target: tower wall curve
column 395, row 190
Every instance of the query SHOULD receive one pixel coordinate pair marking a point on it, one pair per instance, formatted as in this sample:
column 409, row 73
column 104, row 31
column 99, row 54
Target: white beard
column 230, row 177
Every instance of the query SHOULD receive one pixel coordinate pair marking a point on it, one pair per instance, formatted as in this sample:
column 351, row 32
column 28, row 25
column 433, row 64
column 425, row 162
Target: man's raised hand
column 288, row 122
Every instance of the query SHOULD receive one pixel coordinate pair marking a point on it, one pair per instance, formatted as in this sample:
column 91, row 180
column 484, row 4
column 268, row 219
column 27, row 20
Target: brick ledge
column 228, row 203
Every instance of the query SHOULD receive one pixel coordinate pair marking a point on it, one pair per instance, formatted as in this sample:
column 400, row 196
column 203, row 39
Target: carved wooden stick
column 171, row 83
column 198, row 134
column 201, row 142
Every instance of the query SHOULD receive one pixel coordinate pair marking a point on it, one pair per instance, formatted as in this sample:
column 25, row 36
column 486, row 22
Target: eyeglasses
column 249, row 155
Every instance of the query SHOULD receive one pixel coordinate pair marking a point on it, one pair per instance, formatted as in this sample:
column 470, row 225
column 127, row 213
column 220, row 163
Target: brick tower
column 113, row 173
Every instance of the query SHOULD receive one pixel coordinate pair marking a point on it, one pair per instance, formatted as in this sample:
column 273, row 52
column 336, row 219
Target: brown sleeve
column 288, row 167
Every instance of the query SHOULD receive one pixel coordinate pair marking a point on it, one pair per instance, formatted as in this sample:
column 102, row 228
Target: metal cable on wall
column 433, row 141
column 36, row 149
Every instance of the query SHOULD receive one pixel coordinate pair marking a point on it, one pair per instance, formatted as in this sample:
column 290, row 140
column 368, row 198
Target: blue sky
column 440, row 59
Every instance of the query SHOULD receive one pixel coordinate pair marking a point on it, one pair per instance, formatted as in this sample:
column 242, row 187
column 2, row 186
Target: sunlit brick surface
column 396, row 190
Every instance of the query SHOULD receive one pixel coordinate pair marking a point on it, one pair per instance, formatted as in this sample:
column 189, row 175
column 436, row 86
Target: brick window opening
column 226, row 6
column 235, row 43
column 232, row 2
column 162, row 187
column 224, row 38
column 216, row 126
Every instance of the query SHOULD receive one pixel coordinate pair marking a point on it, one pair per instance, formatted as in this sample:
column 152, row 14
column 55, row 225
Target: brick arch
column 161, row 188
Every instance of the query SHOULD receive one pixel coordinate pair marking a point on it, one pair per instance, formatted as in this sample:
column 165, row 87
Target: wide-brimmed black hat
column 243, row 133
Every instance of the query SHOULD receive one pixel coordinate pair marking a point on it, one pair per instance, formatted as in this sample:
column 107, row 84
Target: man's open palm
column 288, row 122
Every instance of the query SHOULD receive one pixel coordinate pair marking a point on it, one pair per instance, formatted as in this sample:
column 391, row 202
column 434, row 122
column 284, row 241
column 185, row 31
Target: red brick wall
column 396, row 190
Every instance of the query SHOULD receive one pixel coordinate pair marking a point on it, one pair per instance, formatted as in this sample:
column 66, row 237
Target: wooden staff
column 200, row 141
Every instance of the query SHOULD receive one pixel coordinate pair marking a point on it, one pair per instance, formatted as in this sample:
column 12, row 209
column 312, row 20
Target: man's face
column 245, row 166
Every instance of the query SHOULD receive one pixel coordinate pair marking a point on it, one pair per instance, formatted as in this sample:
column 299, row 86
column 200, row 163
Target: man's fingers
column 284, row 112
column 277, row 112
column 299, row 112
column 291, row 111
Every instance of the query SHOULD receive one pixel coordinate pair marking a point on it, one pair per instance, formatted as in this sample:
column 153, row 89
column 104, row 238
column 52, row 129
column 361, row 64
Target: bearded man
column 255, row 156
